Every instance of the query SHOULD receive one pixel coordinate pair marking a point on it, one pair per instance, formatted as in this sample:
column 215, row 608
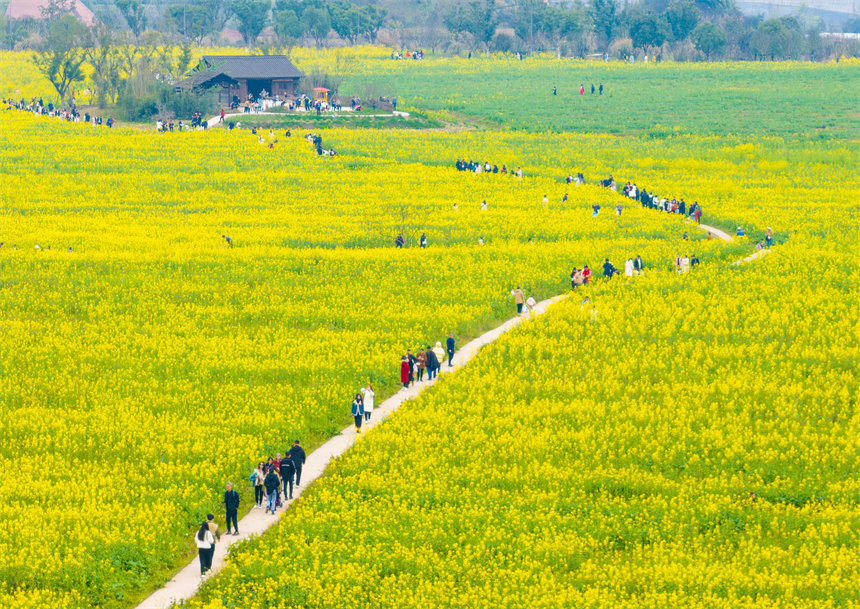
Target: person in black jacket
column 231, row 504
column 272, row 482
column 288, row 472
column 608, row 269
column 297, row 455
column 637, row 264
column 432, row 364
column 450, row 347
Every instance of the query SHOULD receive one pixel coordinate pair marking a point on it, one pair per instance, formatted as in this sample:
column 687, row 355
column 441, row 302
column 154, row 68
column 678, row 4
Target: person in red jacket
column 586, row 274
column 404, row 372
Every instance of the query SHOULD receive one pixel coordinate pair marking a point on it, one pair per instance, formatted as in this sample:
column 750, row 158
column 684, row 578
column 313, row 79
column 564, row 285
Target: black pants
column 231, row 517
column 450, row 357
column 298, row 473
column 367, row 415
column 421, row 374
column 357, row 418
column 519, row 308
column 206, row 555
column 288, row 481
column 258, row 494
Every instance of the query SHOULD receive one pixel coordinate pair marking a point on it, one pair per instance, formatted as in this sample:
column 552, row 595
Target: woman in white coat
column 368, row 395
column 204, row 540
column 628, row 267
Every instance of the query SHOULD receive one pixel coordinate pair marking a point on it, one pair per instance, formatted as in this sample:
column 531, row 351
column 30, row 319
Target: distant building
column 239, row 76
column 19, row 9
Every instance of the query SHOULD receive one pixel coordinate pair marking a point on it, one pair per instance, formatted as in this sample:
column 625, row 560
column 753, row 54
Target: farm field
column 602, row 461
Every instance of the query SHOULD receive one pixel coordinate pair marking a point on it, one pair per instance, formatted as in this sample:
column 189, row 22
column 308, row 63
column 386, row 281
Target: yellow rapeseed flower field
column 693, row 443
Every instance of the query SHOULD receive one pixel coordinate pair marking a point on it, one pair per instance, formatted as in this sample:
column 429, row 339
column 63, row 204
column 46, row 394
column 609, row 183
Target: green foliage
column 317, row 22
column 252, row 16
column 709, row 39
column 61, row 60
column 649, row 30
column 778, row 39
column 134, row 13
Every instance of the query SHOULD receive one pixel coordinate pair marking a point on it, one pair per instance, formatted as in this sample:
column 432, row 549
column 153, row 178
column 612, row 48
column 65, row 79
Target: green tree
column 134, row 13
column 317, row 23
column 345, row 19
column 61, row 58
column 773, row 39
column 288, row 26
column 709, row 38
column 683, row 17
column 649, row 30
column 252, row 16
column 103, row 57
column 372, row 18
column 604, row 15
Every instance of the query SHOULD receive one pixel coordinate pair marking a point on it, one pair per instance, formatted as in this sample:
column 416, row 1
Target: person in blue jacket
column 358, row 411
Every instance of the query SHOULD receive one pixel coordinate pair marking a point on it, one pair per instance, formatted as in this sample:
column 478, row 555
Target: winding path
column 186, row 582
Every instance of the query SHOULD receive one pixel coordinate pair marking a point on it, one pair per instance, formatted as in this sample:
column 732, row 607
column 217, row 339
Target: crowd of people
column 414, row 55
column 70, row 114
column 487, row 167
column 413, row 366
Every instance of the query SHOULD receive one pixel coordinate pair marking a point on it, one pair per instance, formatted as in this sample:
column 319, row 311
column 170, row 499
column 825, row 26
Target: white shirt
column 206, row 542
column 368, row 399
column 628, row 268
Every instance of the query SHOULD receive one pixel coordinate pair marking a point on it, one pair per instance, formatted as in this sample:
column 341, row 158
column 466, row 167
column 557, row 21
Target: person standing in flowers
column 259, row 476
column 450, row 346
column 608, row 269
column 272, row 482
column 768, row 237
column 368, row 395
column 205, row 542
column 404, row 372
column 398, row 242
column 357, row 411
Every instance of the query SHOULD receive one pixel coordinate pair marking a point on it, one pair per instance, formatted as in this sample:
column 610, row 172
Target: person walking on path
column 412, row 363
column 697, row 214
column 367, row 396
column 205, row 542
column 231, row 506
column 420, row 364
column 259, row 476
column 404, row 372
column 216, row 535
column 432, row 363
column 450, row 348
column 297, row 454
column 519, row 299
column 272, row 483
column 357, row 411
column 288, row 473
column 439, row 352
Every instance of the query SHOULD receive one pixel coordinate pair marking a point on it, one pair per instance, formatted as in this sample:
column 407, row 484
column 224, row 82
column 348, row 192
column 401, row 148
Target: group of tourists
column 486, row 167
column 70, row 114
column 429, row 360
column 414, row 55
column 272, row 481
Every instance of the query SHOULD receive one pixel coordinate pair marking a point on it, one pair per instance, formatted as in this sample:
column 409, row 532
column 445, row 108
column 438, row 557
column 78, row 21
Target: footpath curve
column 186, row 582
